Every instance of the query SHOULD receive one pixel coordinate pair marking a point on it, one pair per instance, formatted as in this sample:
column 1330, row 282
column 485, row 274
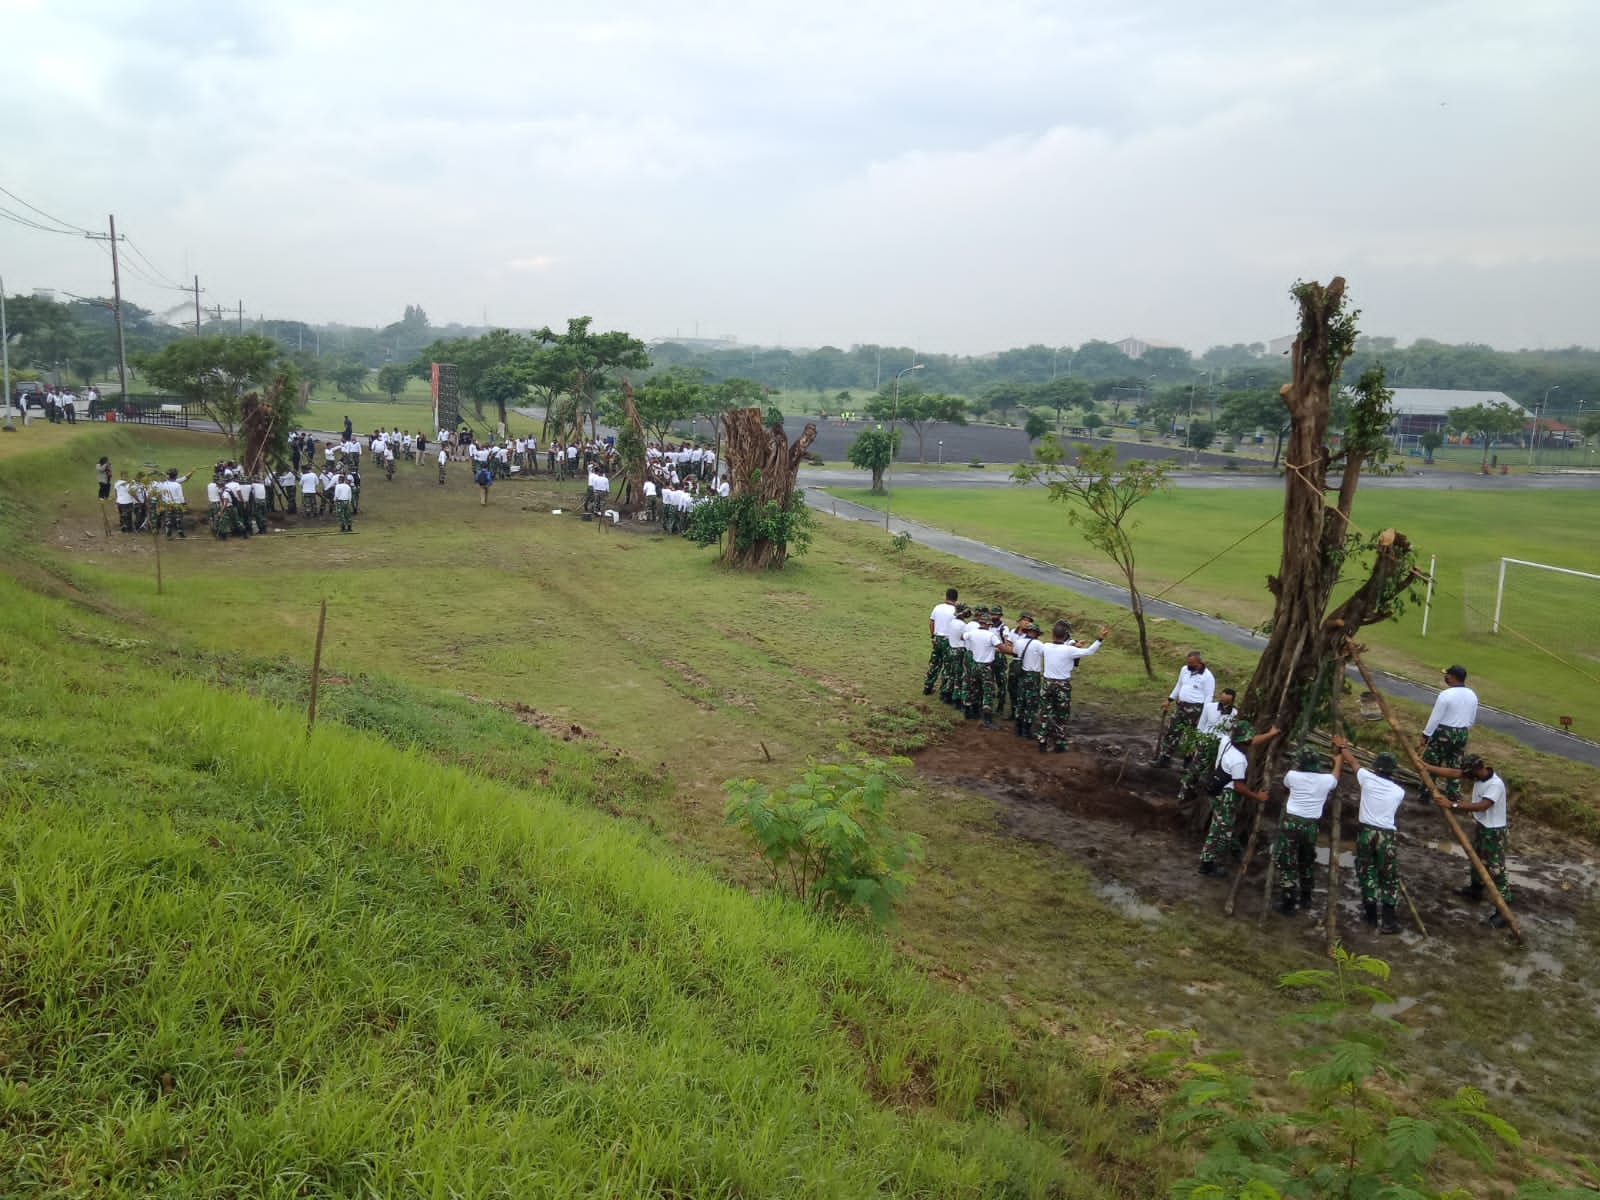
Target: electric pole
column 116, row 304
column 241, row 318
column 197, row 306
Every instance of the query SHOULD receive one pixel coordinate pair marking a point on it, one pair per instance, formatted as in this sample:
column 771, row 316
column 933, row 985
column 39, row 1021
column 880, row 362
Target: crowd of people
column 980, row 665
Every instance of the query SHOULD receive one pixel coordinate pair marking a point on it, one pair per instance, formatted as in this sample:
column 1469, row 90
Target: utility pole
column 241, row 318
column 116, row 293
column 5, row 361
column 197, row 306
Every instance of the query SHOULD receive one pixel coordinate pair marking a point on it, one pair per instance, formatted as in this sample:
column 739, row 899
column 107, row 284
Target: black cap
column 1458, row 671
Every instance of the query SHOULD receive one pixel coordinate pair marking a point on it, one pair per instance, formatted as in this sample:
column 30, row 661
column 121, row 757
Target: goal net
column 1556, row 606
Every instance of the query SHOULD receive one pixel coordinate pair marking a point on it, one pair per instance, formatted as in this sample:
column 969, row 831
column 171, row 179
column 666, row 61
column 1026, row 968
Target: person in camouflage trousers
column 1295, row 852
column 985, row 643
column 1444, row 736
column 952, row 675
column 1196, row 687
column 1025, row 675
column 1057, row 662
column 1220, row 840
column 939, row 639
column 1377, row 852
column 1488, row 808
column 998, row 667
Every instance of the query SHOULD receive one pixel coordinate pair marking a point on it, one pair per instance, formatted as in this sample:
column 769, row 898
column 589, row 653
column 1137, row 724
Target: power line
column 129, row 242
column 79, row 229
column 32, row 224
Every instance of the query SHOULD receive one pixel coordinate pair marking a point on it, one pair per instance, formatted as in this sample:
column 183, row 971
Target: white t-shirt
column 1308, row 792
column 444, row 457
column 341, row 491
column 1380, row 798
column 1060, row 659
column 213, row 493
column 258, row 490
column 1033, row 656
column 1194, row 687
column 649, row 489
column 1212, row 716
column 1232, row 760
column 1456, row 708
column 124, row 492
column 954, row 630
column 981, row 642
column 940, row 616
column 1492, row 788
column 308, row 483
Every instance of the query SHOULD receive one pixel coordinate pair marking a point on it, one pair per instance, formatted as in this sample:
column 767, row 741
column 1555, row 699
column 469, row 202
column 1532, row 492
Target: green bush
column 824, row 837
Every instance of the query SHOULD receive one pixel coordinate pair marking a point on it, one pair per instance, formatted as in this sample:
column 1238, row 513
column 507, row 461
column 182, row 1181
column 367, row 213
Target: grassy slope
column 699, row 675
column 237, row 960
column 1179, row 532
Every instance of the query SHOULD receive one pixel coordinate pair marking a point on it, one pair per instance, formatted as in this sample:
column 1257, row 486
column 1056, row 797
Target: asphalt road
column 968, row 443
column 1531, row 733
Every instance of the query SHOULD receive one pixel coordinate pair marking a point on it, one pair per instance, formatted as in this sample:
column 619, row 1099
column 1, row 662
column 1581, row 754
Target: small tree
column 1036, row 426
column 918, row 410
column 1431, row 441
column 1486, row 421
column 873, row 450
column 392, row 379
column 1201, row 436
column 1093, row 421
column 348, row 377
column 1101, row 495
column 215, row 373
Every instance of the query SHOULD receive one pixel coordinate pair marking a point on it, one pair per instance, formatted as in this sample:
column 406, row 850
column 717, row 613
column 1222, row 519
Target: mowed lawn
column 1545, row 664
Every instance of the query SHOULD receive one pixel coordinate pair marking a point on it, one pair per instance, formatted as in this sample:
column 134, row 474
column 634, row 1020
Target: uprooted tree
column 1307, row 636
column 764, row 516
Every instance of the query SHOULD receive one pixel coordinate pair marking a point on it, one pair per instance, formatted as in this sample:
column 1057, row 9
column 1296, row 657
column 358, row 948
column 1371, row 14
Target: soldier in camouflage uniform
column 1196, row 687
column 1377, row 854
column 938, row 637
column 985, row 643
column 1220, row 840
column 1444, row 737
column 1488, row 808
column 999, row 668
column 1295, row 855
column 953, row 676
column 1058, row 660
column 1028, row 662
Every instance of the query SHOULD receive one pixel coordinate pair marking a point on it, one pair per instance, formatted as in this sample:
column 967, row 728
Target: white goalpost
column 1500, row 586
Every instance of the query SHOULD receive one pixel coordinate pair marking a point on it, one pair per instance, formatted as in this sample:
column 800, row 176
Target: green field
column 486, row 933
column 1544, row 665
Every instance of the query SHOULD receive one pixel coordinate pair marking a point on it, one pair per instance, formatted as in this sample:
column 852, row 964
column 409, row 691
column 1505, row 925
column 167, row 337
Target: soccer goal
column 1558, row 607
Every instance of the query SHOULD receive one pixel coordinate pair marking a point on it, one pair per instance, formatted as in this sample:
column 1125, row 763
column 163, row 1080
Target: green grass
column 1469, row 531
column 460, row 639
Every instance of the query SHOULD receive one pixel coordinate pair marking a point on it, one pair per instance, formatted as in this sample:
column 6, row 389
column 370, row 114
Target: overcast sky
column 956, row 176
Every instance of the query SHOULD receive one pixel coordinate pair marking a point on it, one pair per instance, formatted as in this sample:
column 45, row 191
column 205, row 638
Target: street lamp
column 941, row 452
column 5, row 360
column 894, row 412
column 1533, row 446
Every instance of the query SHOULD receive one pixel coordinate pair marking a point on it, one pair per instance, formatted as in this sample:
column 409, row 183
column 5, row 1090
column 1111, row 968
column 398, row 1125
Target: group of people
column 61, row 404
column 149, row 501
column 979, row 663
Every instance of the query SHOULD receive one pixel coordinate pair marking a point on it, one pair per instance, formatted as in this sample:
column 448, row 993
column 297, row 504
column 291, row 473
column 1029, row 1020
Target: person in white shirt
column 1295, row 854
column 1444, row 737
column 938, row 622
column 344, row 502
column 287, row 480
column 258, row 503
column 124, row 493
column 983, row 641
column 651, row 499
column 170, row 503
column 1194, row 690
column 1377, row 855
column 1216, row 718
column 724, row 489
column 1488, row 807
column 444, row 457
column 1057, row 661
column 308, row 492
column 1229, row 771
column 214, row 510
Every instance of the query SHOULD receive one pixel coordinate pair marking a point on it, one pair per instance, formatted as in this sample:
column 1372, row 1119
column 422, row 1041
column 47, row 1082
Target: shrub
column 824, row 837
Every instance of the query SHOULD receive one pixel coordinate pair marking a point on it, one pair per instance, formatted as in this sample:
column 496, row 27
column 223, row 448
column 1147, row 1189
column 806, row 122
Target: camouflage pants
column 1296, row 855
column 953, row 674
column 441, row 472
column 214, row 513
column 1055, row 710
column 1220, row 841
column 1490, row 845
column 258, row 510
column 936, row 657
column 1445, row 749
column 1185, row 718
column 1202, row 756
column 238, row 520
column 1027, row 706
column 1014, row 682
column 981, row 689
column 346, row 512
column 1378, row 865
column 998, row 669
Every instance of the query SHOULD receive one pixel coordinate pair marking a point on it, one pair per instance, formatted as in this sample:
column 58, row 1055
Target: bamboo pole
column 316, row 667
column 1450, row 818
column 1335, row 834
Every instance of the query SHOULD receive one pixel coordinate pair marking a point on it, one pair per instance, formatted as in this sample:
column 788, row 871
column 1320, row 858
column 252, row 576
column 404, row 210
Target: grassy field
column 580, row 696
column 1468, row 531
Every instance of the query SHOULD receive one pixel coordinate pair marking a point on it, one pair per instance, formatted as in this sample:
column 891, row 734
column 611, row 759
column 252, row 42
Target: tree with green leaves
column 1430, row 442
column 216, row 373
column 665, row 398
column 1246, row 411
column 1001, row 398
column 392, row 379
column 1036, row 426
column 1486, row 422
column 1589, row 426
column 1100, row 496
column 587, row 364
column 917, row 411
column 873, row 450
column 347, row 376
column 1063, row 393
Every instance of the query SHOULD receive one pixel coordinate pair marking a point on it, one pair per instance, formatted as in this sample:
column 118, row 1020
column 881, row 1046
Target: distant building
column 1280, row 346
column 705, row 345
column 1137, row 347
column 1427, row 410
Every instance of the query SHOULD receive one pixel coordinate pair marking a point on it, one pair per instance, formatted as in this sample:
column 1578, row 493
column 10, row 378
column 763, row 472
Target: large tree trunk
column 633, row 455
column 1305, row 634
column 763, row 464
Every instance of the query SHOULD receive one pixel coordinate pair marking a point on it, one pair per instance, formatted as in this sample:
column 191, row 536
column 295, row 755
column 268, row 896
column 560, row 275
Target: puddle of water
column 1401, row 1004
column 1126, row 901
column 1347, row 858
column 1519, row 975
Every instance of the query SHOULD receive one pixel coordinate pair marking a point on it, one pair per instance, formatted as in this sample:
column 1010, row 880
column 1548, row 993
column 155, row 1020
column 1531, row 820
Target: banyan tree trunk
column 633, row 456
column 763, row 464
column 1304, row 633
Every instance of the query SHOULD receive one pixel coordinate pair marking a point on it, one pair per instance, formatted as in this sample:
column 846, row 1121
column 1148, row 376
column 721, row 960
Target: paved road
column 1540, row 737
column 968, row 443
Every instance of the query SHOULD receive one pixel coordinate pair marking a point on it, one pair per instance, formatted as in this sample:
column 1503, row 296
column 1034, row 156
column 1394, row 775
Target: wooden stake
column 1410, row 751
column 316, row 667
column 1335, row 837
column 158, row 557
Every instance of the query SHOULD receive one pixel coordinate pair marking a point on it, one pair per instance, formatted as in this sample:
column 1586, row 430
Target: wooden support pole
column 316, row 667
column 1335, row 835
column 1410, row 750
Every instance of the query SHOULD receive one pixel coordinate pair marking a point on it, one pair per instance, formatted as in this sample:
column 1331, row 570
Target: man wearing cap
column 343, row 503
column 1194, row 690
column 1231, row 761
column 1216, row 719
column 984, row 642
column 1028, row 655
column 1057, row 661
column 1488, row 808
column 1377, row 855
column 1444, row 737
column 1296, row 851
column 938, row 628
column 997, row 616
column 1013, row 677
column 952, row 681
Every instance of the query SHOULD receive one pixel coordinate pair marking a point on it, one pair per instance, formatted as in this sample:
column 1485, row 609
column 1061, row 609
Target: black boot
column 1043, row 749
column 1019, row 730
column 1473, row 891
column 1369, row 911
column 1305, row 898
column 1389, row 924
column 1495, row 921
column 1285, row 904
column 972, row 714
column 988, row 721
column 1207, row 868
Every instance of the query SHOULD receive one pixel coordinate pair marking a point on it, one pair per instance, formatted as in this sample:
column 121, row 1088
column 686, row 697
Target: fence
column 170, row 411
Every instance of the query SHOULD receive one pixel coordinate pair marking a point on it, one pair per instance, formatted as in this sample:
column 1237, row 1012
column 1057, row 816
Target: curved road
column 1540, row 737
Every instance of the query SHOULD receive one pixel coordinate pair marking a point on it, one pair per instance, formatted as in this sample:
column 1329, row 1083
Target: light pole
column 5, row 360
column 1533, row 446
column 941, row 452
column 894, row 412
